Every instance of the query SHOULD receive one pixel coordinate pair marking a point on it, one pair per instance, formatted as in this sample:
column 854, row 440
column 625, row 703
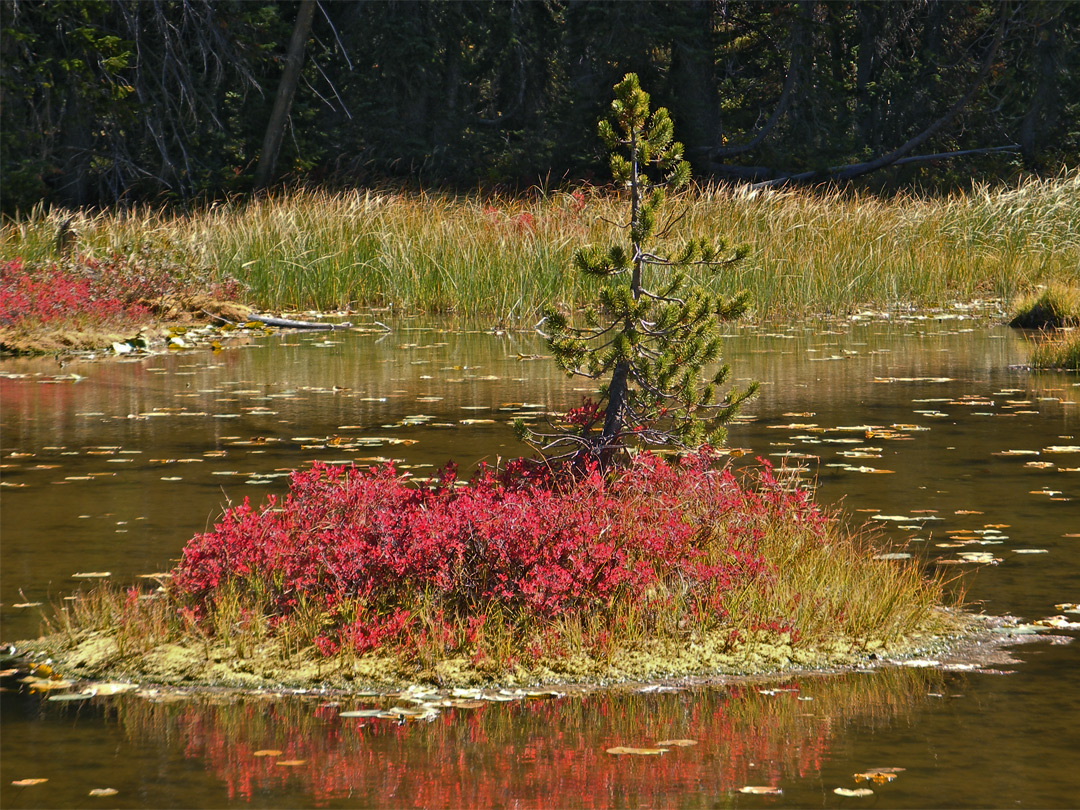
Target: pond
column 925, row 426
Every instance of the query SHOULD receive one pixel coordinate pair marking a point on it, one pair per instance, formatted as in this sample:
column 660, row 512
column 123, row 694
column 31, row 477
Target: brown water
column 925, row 420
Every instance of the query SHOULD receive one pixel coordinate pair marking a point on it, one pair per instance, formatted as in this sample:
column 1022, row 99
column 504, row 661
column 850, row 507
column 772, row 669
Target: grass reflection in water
column 533, row 753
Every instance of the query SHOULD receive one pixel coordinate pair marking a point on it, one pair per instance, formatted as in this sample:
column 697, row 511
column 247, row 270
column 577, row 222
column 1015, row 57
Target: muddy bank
column 169, row 313
column 974, row 642
column 94, row 665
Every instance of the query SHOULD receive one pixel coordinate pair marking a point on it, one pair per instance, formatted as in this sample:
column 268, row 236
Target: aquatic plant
column 652, row 343
column 1061, row 353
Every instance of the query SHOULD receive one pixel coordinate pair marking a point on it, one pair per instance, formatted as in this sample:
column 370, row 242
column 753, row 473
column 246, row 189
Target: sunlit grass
column 1051, row 307
column 820, row 251
column 1061, row 353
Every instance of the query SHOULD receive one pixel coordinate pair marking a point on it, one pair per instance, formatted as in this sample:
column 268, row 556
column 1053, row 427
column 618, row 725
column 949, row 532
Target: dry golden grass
column 818, row 251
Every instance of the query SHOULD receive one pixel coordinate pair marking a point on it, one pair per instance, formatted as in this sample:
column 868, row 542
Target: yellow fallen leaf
column 104, row 792
column 267, row 752
column 677, row 743
column 761, row 790
column 290, row 763
column 28, row 782
column 878, row 775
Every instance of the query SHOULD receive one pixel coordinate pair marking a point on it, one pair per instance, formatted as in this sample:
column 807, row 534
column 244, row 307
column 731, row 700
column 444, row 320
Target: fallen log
column 285, row 323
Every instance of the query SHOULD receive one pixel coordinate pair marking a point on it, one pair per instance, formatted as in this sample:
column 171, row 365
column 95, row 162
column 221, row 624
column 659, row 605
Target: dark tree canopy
column 153, row 100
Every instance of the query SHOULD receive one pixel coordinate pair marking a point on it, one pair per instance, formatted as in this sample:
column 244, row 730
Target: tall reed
column 503, row 257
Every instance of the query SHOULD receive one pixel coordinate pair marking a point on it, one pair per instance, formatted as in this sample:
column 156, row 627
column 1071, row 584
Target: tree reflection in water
column 531, row 753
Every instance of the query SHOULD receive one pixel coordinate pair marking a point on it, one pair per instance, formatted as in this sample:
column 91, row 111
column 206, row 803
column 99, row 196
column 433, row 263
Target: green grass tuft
column 1060, row 353
column 1058, row 305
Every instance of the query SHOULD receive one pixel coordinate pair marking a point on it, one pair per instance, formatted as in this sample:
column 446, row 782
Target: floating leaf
column 290, row 763
column 103, row 792
column 879, row 775
column 362, row 713
column 107, row 689
column 761, row 790
column 28, row 782
column 644, row 752
column 978, row 557
column 854, row 793
column 267, row 752
column 92, row 575
column 1058, row 622
column 69, row 697
column 676, row 743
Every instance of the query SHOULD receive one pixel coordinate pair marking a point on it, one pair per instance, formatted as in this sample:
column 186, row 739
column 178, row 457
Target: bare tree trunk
column 275, row 130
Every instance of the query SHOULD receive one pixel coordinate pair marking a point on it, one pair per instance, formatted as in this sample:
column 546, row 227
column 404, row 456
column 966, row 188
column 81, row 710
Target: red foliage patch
column 363, row 545
column 48, row 296
column 88, row 290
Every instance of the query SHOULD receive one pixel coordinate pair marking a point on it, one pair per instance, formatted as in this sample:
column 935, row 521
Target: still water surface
column 928, row 421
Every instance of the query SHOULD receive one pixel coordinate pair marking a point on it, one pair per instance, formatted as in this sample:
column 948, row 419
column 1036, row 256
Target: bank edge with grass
column 364, row 579
column 822, row 251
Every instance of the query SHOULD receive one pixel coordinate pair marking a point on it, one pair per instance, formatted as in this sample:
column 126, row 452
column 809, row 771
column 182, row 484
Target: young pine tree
column 653, row 334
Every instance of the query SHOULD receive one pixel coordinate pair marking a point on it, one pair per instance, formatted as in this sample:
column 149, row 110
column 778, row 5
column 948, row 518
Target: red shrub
column 536, row 543
column 87, row 289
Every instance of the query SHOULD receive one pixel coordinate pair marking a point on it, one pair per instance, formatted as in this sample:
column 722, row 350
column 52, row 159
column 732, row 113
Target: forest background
column 153, row 101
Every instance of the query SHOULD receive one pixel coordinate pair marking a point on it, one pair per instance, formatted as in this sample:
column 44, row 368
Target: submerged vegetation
column 505, row 258
column 521, row 575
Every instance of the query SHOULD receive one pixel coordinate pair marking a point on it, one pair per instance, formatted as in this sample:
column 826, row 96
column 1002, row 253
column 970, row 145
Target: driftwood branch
column 290, row 324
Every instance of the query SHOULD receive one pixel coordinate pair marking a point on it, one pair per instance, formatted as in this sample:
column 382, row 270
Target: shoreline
column 980, row 646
